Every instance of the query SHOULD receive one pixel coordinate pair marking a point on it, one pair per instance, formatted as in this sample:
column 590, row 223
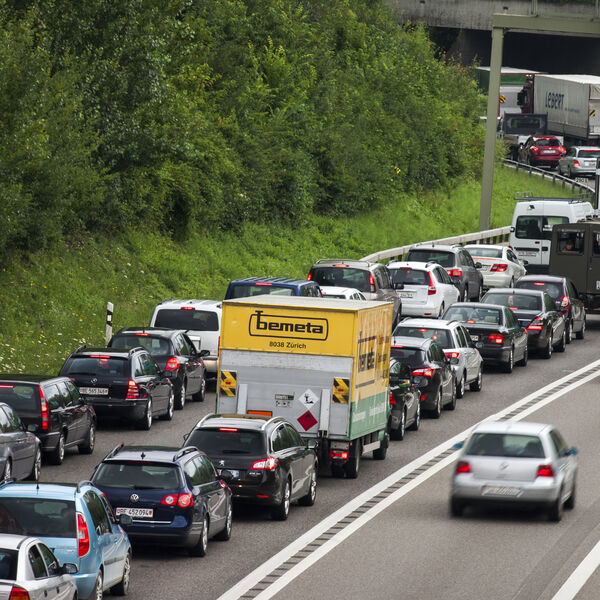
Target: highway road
column 411, row 547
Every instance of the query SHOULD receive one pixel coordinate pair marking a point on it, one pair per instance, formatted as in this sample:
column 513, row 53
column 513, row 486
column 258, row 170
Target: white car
column 427, row 290
column 500, row 266
column 334, row 291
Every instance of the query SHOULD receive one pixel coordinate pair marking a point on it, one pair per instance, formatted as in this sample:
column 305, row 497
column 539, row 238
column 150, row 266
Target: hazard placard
column 308, row 398
column 502, row 99
column 228, row 383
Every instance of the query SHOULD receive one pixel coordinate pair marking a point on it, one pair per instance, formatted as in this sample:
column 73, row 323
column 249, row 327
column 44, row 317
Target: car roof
column 58, row 491
column 477, row 305
column 544, row 137
column 429, row 245
column 334, row 289
column 12, row 541
column 151, row 453
column 494, row 246
column 411, row 342
column 36, row 379
column 196, row 304
column 522, row 427
column 332, row 262
column 277, row 280
column 162, row 332
column 239, row 421
column 548, row 278
column 116, row 352
column 586, row 147
column 437, row 323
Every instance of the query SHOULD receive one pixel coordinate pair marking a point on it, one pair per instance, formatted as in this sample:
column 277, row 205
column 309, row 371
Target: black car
column 173, row 496
column 565, row 297
column 464, row 273
column 52, row 408
column 431, row 372
column 175, row 354
column 405, row 400
column 537, row 313
column 264, row 460
column 496, row 331
column 20, row 452
column 123, row 383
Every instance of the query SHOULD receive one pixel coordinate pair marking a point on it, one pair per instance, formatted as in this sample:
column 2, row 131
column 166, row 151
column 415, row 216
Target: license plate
column 526, row 253
column 143, row 513
column 87, row 391
column 548, row 152
column 500, row 490
column 406, row 294
column 235, row 474
column 475, row 338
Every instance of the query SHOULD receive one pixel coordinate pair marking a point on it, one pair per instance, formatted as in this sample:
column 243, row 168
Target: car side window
column 150, row 367
column 50, row 560
column 66, row 398
column 512, row 256
column 37, row 563
column 98, row 513
column 548, row 303
column 571, row 290
column 467, row 260
column 53, row 397
column 74, row 393
column 4, row 422
column 511, row 321
column 109, row 510
column 14, row 419
column 559, row 443
column 179, row 346
column 138, row 367
column 278, row 440
column 293, row 435
column 209, row 468
column 462, row 342
column 186, row 345
column 193, row 472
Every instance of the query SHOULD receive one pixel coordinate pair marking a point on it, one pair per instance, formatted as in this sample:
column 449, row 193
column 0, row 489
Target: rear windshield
column 516, row 301
column 530, row 227
column 38, row 517
column 445, row 259
column 244, row 291
column 413, row 357
column 342, row 277
column 8, row 564
column 441, row 336
column 24, row 396
column 410, row 276
column 218, row 441
column 155, row 345
column 138, row 475
column 589, row 153
column 181, row 318
column 505, row 444
column 100, row 366
column 550, row 142
column 484, row 252
column 554, row 290
column 477, row 315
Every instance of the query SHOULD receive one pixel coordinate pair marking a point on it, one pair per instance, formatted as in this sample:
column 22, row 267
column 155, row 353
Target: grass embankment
column 54, row 301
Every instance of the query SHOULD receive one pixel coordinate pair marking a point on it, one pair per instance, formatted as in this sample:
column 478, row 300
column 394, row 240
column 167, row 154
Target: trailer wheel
column 381, row 452
column 353, row 465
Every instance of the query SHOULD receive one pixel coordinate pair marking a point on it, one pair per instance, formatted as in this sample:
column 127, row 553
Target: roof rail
column 183, row 451
column 79, row 349
column 263, row 426
column 115, row 450
column 7, row 480
column 203, row 419
column 131, row 350
column 82, row 483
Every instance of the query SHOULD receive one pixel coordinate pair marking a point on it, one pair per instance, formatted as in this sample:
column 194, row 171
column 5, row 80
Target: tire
column 352, row 467
column 57, row 455
column 121, row 588
column 581, row 334
column 282, row 510
column 457, row 507
column 180, row 401
column 87, row 446
column 523, row 361
column 570, row 503
column 337, row 471
column 475, row 386
column 437, row 410
column 507, row 367
column 452, row 404
column 202, row 545
column 381, row 452
column 417, row 422
column 201, row 393
column 225, row 534
column 547, row 352
column 170, row 407
column 465, row 295
column 478, row 297
column 512, row 282
column 7, row 470
column 36, row 467
column 561, row 346
column 398, row 434
column 145, row 423
column 556, row 511
column 570, row 331
column 442, row 310
column 310, row 498
column 460, row 389
column 97, row 592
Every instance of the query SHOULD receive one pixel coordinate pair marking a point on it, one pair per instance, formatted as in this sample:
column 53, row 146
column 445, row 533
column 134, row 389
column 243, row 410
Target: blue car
column 77, row 523
column 280, row 286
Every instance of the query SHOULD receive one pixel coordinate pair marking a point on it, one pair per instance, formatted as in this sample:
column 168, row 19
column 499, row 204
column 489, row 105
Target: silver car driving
column 579, row 161
column 510, row 464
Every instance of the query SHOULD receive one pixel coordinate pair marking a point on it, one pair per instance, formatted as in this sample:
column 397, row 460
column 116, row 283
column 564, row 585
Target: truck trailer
column 322, row 364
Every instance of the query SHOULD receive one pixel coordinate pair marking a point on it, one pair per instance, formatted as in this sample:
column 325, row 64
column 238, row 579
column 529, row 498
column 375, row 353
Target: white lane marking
column 253, row 578
column 580, row 575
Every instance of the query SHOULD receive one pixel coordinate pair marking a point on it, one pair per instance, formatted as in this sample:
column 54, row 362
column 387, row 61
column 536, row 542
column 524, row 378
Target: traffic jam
column 310, row 376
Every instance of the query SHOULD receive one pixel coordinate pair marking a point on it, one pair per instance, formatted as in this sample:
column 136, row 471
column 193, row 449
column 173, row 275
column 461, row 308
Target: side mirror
column 69, row 569
column 186, row 436
column 204, row 353
column 398, row 286
column 512, row 229
column 32, row 427
column 478, row 265
column 525, row 262
column 458, row 445
column 226, row 475
column 311, row 444
column 125, row 520
column 572, row 451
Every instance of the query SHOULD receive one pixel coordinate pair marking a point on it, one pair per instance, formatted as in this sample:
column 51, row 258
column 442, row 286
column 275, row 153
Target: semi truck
column 572, row 103
column 322, row 364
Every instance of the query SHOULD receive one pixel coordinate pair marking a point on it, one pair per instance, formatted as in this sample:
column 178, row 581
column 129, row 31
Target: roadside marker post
column 109, row 316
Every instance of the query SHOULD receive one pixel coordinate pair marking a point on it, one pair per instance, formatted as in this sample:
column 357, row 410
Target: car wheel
column 97, row 592
column 570, row 503
column 556, row 511
column 170, row 406
column 475, row 386
column 7, row 470
column 352, row 467
column 202, row 545
column 570, row 331
column 417, row 422
column 398, row 434
column 462, row 386
column 457, row 507
column 121, row 588
column 437, row 409
column 507, row 367
column 145, row 422
column 561, row 346
column 452, row 404
column 57, row 455
column 201, row 393
column 479, row 293
column 465, row 296
column 87, row 446
column 442, row 309
column 581, row 333
column 523, row 361
column 225, row 533
column 547, row 352
column 37, row 466
column 282, row 510
column 181, row 396
column 310, row 498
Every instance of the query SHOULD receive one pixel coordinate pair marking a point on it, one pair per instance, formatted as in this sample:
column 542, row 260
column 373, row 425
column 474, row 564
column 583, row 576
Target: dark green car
column 405, row 401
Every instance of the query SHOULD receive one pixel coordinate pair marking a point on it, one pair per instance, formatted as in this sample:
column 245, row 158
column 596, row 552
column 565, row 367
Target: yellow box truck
column 322, row 364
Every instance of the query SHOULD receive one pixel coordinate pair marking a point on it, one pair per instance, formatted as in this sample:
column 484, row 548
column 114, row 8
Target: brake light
column 392, row 400
column 185, row 500
column 539, row 283
column 263, row 283
column 143, row 334
column 545, row 471
column 452, row 355
column 227, row 428
column 309, row 277
column 187, row 308
column 169, row 500
column 423, row 372
column 18, row 593
column 562, row 150
column 372, row 282
column 564, row 305
column 576, row 163
column 463, row 467
column 83, row 536
column 100, row 356
column 45, row 411
column 496, row 338
column 431, row 289
column 499, row 267
column 268, row 464
column 454, row 272
column 8, row 387
column 172, row 364
column 339, row 454
column 340, row 265
column 535, row 325
column 133, row 390
column 535, row 149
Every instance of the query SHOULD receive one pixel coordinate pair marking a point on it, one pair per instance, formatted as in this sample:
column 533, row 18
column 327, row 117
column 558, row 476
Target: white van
column 531, row 230
column 201, row 319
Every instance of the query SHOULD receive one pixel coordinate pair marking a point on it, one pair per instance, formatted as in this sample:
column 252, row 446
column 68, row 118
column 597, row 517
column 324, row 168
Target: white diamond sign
column 308, row 398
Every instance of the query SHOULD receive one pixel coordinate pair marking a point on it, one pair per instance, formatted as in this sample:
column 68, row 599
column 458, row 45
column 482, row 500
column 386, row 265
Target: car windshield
column 531, row 227
column 547, row 142
column 228, row 440
column 244, row 291
column 409, row 276
column 413, row 357
column 8, row 564
column 515, row 301
column 101, row 366
column 441, row 336
column 342, row 277
column 138, row 475
column 480, row 252
column 590, row 153
column 553, row 289
column 341, row 296
column 38, row 517
column 473, row 315
column 187, row 318
column 20, row 396
column 505, row 445
column 444, row 259
column 155, row 345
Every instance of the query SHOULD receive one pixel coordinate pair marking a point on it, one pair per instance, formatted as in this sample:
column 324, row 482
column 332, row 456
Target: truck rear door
column 593, row 252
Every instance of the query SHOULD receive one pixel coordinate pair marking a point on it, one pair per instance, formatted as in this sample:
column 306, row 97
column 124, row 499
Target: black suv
column 458, row 263
column 173, row 496
column 175, row 354
column 52, row 408
column 125, row 383
column 264, row 460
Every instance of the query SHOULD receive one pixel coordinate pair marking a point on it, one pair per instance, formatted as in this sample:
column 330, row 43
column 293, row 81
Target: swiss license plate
column 235, row 474
column 406, row 294
column 87, row 391
column 548, row 152
column 142, row 513
column 500, row 490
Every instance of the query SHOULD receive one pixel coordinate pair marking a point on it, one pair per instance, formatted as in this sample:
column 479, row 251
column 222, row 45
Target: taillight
column 169, row 500
column 563, row 150
column 392, row 400
column 454, row 272
column 431, row 289
column 185, row 500
column 83, row 536
column 452, row 355
column 339, row 454
column 133, row 390
column 564, row 305
column 499, row 267
column 423, row 373
column 545, row 471
column 268, row 464
column 535, row 325
column 495, row 338
column 535, row 149
column 309, row 277
column 172, row 364
column 372, row 283
column 18, row 593
column 45, row 411
column 576, row 163
column 463, row 467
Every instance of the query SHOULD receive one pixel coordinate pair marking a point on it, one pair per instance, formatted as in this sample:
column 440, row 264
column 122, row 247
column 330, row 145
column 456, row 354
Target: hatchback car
column 343, row 293
column 431, row 372
column 173, row 496
column 29, row 570
column 77, row 522
column 20, row 450
column 279, row 286
column 500, row 266
column 263, row 459
column 457, row 344
column 52, row 408
column 514, row 464
column 497, row 333
column 426, row 289
column 124, row 383
column 405, row 400
column 566, row 299
column 579, row 161
column 459, row 265
column 542, row 151
column 174, row 353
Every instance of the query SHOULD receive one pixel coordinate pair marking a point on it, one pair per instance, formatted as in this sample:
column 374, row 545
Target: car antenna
column 143, row 455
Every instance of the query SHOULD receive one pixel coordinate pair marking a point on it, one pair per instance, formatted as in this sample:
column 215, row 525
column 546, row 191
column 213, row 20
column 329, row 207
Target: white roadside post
column 109, row 316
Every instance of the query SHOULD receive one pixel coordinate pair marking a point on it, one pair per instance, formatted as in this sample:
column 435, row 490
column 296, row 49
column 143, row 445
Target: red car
column 542, row 151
